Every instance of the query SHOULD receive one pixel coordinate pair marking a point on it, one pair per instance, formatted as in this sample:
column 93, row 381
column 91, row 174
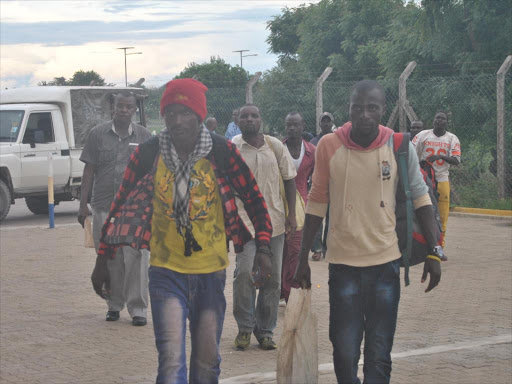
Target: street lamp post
column 242, row 55
column 126, row 54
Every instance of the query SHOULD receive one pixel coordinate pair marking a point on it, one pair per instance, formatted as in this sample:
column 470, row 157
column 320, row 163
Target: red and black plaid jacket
column 129, row 220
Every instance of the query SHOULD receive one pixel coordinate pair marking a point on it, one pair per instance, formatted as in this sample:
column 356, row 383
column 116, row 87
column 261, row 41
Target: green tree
column 216, row 73
column 79, row 78
column 84, row 78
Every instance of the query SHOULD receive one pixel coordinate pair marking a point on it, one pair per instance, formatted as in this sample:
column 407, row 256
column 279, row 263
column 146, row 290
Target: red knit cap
column 188, row 92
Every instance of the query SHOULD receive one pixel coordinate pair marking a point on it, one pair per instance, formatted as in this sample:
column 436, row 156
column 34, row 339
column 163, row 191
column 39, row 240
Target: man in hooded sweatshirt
column 356, row 175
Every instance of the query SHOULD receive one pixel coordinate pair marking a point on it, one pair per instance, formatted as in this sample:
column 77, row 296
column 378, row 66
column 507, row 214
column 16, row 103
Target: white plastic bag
column 297, row 354
column 88, row 240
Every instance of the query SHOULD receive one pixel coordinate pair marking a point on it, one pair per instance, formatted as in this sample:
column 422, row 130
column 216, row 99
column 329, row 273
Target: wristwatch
column 437, row 251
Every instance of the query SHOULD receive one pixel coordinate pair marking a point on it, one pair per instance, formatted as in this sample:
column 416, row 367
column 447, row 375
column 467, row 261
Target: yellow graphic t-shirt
column 207, row 218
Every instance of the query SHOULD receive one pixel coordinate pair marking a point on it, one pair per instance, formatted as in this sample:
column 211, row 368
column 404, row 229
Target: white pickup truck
column 40, row 120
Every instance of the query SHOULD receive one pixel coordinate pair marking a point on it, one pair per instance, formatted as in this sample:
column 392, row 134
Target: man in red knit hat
column 178, row 199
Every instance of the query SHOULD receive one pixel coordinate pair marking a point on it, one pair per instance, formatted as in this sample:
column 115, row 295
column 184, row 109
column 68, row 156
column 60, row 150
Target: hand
column 262, row 268
column 434, row 268
column 303, row 273
column 433, row 158
column 290, row 225
column 100, row 278
column 83, row 212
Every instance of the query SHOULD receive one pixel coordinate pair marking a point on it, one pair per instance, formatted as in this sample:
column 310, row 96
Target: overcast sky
column 41, row 40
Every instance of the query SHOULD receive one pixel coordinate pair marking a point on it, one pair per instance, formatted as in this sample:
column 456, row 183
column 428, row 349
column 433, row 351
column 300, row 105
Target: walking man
column 211, row 124
column 233, row 128
column 416, row 127
column 270, row 162
column 441, row 149
column 178, row 198
column 106, row 153
column 326, row 126
column 303, row 157
column 356, row 175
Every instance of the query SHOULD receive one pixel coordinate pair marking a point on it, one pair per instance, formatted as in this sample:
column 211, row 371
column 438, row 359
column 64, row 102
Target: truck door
column 38, row 140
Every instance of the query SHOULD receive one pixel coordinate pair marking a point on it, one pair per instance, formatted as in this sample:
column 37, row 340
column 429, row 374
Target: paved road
column 52, row 327
column 19, row 215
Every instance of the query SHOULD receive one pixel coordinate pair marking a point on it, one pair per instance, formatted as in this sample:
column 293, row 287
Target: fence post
column 402, row 95
column 319, row 96
column 51, row 216
column 500, row 145
column 248, row 87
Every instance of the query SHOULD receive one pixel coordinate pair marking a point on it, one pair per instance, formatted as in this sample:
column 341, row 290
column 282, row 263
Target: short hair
column 236, row 110
column 442, row 111
column 368, row 85
column 248, row 105
column 293, row 113
column 126, row 94
column 210, row 118
column 417, row 121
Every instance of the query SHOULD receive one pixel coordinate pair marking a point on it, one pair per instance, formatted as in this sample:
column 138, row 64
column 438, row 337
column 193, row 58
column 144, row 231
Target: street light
column 126, row 54
column 242, row 55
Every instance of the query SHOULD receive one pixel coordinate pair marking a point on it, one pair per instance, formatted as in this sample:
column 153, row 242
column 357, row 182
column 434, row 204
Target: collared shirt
column 109, row 154
column 232, row 131
column 267, row 168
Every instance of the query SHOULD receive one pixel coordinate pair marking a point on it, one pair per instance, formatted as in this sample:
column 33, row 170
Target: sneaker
column 242, row 341
column 267, row 343
column 282, row 303
column 139, row 321
column 112, row 316
column 316, row 256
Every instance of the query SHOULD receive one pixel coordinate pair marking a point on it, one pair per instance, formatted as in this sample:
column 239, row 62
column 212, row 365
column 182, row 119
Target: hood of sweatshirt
column 344, row 134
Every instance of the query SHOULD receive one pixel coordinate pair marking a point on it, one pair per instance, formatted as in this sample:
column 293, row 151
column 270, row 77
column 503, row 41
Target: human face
column 249, row 120
column 440, row 121
column 326, row 125
column 416, row 127
column 366, row 110
column 182, row 123
column 235, row 116
column 294, row 126
column 211, row 124
column 124, row 108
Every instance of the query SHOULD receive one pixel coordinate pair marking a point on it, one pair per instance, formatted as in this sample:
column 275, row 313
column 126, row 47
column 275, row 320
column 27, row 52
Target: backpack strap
column 401, row 150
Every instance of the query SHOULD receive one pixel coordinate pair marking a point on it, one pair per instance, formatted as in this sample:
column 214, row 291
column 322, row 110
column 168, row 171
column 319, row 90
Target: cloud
column 82, row 32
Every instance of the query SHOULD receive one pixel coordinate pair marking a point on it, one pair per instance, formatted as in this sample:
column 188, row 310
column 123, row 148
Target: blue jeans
column 258, row 316
column 200, row 298
column 363, row 300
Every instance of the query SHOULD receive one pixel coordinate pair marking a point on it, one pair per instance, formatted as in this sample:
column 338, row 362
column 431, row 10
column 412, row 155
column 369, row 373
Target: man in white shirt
column 269, row 161
column 442, row 149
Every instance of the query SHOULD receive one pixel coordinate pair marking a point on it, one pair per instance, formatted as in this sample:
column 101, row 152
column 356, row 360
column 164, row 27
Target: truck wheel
column 37, row 205
column 5, row 200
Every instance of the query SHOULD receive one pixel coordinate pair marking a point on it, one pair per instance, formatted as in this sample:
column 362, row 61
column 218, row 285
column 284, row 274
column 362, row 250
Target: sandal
column 316, row 256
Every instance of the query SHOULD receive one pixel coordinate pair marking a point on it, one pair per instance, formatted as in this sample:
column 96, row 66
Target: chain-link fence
column 469, row 100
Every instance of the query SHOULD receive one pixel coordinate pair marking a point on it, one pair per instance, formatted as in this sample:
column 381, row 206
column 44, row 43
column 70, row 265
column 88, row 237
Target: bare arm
column 449, row 159
column 303, row 273
column 427, row 220
column 85, row 190
column 290, row 190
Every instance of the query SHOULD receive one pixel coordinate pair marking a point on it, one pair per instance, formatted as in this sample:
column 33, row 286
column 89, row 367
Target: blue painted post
column 50, row 191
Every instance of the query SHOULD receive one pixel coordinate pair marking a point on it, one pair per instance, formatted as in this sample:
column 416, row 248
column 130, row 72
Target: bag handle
column 401, row 150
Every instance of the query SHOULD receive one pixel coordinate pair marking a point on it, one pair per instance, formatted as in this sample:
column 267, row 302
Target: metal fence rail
column 470, row 101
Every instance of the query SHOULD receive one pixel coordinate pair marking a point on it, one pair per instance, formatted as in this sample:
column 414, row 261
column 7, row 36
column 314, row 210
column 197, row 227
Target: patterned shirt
column 129, row 220
column 206, row 217
column 428, row 144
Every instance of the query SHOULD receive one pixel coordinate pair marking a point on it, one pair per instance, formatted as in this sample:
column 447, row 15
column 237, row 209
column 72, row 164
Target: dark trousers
column 363, row 300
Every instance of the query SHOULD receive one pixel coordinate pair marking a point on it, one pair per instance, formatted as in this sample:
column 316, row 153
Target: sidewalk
column 52, row 327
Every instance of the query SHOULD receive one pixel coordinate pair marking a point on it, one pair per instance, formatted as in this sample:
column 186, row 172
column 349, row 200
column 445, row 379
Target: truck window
column 39, row 129
column 10, row 123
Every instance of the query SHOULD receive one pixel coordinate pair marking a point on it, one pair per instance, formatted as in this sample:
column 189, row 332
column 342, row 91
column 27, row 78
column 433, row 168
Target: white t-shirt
column 298, row 162
column 428, row 144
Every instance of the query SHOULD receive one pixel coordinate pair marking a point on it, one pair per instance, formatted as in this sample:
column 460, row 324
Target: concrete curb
column 482, row 211
column 480, row 216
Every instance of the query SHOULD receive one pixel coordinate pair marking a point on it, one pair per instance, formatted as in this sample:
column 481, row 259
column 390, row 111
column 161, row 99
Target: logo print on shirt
column 386, row 170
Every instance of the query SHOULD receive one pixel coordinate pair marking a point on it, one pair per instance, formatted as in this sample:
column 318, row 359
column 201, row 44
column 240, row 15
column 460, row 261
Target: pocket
column 106, row 155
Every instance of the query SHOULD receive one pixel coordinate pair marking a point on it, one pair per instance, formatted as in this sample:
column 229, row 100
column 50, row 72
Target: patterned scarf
column 181, row 188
